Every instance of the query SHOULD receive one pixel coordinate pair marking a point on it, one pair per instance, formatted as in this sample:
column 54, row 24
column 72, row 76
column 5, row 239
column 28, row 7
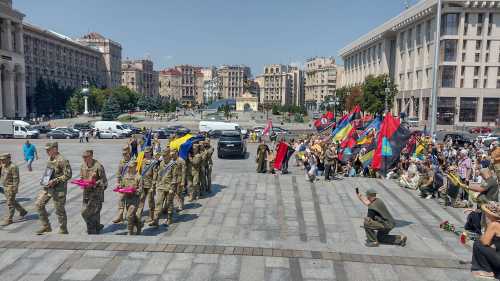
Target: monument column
column 9, row 101
column 7, row 34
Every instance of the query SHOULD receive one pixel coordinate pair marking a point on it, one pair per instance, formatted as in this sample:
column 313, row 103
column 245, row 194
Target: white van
column 113, row 126
column 17, row 129
column 207, row 126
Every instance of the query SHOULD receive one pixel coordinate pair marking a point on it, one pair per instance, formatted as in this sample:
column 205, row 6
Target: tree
column 374, row 93
column 275, row 109
column 354, row 97
column 111, row 109
column 126, row 98
column 42, row 98
column 75, row 104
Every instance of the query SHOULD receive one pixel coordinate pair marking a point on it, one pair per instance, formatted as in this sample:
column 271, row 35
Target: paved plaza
column 252, row 227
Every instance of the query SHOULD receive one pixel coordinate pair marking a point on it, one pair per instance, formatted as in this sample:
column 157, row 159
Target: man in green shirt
column 379, row 222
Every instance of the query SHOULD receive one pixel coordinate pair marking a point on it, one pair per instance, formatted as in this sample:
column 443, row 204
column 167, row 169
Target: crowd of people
column 159, row 178
column 458, row 176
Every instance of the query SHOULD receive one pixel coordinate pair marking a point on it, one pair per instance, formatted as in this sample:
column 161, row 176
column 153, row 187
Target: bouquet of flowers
column 84, row 184
column 125, row 190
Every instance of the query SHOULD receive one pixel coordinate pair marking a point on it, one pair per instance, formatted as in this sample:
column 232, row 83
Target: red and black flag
column 390, row 141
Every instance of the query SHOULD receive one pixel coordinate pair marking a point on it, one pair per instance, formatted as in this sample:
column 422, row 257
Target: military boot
column 23, row 213
column 63, row 230
column 130, row 229
column 170, row 219
column 6, row 222
column 140, row 224
column 44, row 229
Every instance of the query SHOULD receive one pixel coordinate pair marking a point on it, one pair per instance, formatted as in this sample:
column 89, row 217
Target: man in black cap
column 379, row 222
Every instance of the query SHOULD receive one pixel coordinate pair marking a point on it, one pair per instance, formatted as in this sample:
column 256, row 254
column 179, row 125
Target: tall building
column 183, row 83
column 12, row 67
column 469, row 62
column 52, row 56
column 170, row 83
column 139, row 76
column 281, row 84
column 233, row 80
column 321, row 80
column 111, row 56
column 212, row 90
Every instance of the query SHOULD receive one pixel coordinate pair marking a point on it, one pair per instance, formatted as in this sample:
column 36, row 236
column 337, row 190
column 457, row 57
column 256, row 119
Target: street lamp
column 85, row 93
column 435, row 71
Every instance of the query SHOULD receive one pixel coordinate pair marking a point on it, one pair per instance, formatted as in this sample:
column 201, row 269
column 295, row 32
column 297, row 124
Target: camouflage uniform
column 203, row 168
column 122, row 170
column 93, row 197
column 181, row 187
column 195, row 160
column 131, row 201
column 210, row 152
column 168, row 180
column 9, row 179
column 60, row 171
column 149, row 169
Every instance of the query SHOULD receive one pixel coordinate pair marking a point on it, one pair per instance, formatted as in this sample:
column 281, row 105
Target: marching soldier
column 203, row 167
column 122, row 170
column 9, row 179
column 93, row 197
column 148, row 171
column 168, row 181
column 54, row 186
column 210, row 152
column 195, row 159
column 131, row 200
column 181, row 187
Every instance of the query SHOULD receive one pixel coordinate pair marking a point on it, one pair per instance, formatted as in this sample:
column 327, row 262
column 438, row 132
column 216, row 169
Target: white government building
column 469, row 62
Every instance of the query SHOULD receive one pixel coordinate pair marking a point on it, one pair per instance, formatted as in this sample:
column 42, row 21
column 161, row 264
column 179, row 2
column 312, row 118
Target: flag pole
column 435, row 72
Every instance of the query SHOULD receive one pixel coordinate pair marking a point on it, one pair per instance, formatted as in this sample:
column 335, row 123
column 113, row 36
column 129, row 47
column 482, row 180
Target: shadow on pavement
column 402, row 223
column 193, row 205
column 113, row 227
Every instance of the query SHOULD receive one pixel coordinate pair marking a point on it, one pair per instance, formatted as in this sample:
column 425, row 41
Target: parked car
column 43, row 129
column 107, row 134
column 134, row 130
column 459, row 138
column 231, row 143
column 487, row 140
column 412, row 121
column 280, row 131
column 83, row 126
column 162, row 133
column 480, row 130
column 62, row 134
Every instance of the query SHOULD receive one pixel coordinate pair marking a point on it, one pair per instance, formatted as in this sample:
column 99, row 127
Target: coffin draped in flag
column 186, row 147
column 390, row 141
column 176, row 143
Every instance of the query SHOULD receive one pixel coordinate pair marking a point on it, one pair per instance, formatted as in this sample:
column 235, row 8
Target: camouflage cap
column 148, row 149
column 371, row 192
column 87, row 153
column 50, row 145
column 4, row 156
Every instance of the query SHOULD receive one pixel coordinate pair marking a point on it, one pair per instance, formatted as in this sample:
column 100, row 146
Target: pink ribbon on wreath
column 125, row 190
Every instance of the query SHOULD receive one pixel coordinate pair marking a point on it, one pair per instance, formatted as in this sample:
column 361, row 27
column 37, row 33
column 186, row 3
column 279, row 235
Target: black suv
column 231, row 143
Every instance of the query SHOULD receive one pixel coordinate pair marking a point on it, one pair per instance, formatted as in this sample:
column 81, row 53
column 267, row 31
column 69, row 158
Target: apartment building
column 139, row 76
column 233, row 78
column 281, row 85
column 320, row 80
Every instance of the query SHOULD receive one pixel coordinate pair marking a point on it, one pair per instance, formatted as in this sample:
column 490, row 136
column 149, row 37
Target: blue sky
column 215, row 32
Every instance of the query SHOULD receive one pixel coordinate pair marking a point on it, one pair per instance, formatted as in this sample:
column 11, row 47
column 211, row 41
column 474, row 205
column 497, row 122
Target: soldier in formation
column 93, row 197
column 148, row 175
column 54, row 186
column 9, row 180
column 167, row 174
column 123, row 167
